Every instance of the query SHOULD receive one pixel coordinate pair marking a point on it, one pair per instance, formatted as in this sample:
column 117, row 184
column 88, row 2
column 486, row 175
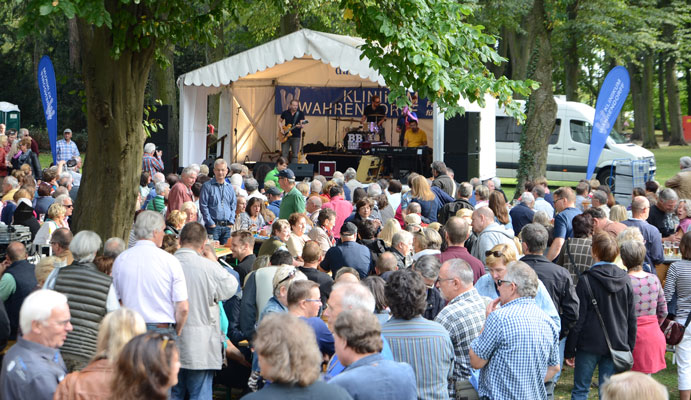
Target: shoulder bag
column 673, row 330
column 622, row 359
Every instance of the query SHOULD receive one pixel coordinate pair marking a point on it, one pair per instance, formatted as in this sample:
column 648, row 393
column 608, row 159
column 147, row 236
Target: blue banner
column 345, row 102
column 611, row 98
column 48, row 90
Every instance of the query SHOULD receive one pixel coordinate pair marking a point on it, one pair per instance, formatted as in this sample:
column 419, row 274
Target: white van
column 569, row 145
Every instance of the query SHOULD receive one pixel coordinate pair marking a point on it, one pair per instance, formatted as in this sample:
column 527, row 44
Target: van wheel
column 604, row 177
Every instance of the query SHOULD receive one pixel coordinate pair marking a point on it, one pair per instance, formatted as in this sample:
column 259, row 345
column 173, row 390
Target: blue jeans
column 549, row 386
column 583, row 372
column 169, row 331
column 221, row 233
column 198, row 382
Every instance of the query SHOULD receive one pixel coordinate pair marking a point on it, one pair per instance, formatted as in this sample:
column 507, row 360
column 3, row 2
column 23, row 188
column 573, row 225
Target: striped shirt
column 463, row 317
column 679, row 281
column 427, row 347
column 66, row 150
column 151, row 164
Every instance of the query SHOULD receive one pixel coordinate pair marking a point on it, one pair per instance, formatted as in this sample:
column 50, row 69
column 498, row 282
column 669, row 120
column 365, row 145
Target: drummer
column 375, row 112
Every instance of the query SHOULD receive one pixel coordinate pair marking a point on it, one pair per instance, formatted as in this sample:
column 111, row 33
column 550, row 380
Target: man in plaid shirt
column 463, row 317
column 518, row 349
column 66, row 148
column 151, row 163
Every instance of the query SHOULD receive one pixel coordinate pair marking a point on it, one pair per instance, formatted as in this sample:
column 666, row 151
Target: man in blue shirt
column 518, row 349
column 640, row 210
column 565, row 206
column 217, row 203
column 348, row 253
column 66, row 149
column 357, row 336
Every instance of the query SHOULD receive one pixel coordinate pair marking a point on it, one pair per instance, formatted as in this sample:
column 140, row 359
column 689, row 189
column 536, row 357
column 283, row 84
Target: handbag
column 622, row 359
column 673, row 330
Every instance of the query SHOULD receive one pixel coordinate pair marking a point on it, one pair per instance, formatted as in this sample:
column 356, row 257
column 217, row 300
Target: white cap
column 67, row 130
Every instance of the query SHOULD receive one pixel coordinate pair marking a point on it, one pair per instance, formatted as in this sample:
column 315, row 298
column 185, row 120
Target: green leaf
column 46, row 9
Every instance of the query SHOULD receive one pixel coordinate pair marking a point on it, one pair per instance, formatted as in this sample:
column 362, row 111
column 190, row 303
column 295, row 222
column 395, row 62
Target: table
column 222, row 251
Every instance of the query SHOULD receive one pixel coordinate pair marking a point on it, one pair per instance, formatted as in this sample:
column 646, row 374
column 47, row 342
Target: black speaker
column 464, row 166
column 164, row 116
column 462, row 133
column 302, row 171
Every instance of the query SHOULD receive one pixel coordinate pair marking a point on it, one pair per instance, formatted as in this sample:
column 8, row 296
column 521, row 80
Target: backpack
column 449, row 210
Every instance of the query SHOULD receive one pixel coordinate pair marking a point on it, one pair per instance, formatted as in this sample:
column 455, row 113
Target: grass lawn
column 666, row 157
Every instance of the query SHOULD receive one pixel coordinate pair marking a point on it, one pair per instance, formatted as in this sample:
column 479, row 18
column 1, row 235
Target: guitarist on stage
column 290, row 122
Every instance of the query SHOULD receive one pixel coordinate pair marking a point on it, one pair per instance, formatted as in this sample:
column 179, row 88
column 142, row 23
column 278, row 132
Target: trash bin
column 9, row 115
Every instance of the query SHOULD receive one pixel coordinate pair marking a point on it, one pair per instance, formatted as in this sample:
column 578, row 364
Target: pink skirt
column 649, row 351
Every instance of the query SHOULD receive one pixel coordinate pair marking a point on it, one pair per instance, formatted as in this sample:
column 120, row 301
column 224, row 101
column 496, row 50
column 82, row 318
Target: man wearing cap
column 66, row 148
column 273, row 197
column 293, row 201
column 348, row 253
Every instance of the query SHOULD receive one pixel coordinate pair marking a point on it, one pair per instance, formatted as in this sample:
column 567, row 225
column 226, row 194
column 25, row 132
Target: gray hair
column 219, row 162
column 355, row 296
column 337, row 175
column 668, row 194
column 600, row 196
column 541, row 217
column 439, row 167
column 459, row 268
column 428, row 266
column 350, row 173
column 535, row 236
column 251, row 185
column 315, row 200
column 147, row 222
column 538, row 191
column 316, row 186
column 113, row 247
column 196, row 167
column 79, row 160
column 630, row 233
column 527, row 199
column 235, row 168
column 339, row 181
column 524, row 277
column 85, row 245
column 465, row 189
column 65, row 176
column 34, row 307
column 188, row 170
column 685, row 162
column 497, row 182
column 686, row 204
column 400, row 237
column 481, row 192
column 61, row 198
column 158, row 177
column 12, row 181
column 632, row 253
column 149, row 148
column 374, row 190
column 161, row 187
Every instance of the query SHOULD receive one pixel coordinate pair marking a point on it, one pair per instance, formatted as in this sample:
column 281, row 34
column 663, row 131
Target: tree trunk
column 649, row 140
column 114, row 100
column 639, row 118
column 503, row 50
column 163, row 88
column 676, row 130
column 519, row 50
column 73, row 42
column 571, row 64
column 541, row 108
column 661, row 96
column 290, row 21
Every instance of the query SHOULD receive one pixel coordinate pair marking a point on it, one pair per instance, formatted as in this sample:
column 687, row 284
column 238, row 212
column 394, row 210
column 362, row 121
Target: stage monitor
column 302, row 171
column 327, row 168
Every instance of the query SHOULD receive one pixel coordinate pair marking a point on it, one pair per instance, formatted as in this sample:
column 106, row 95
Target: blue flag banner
column 48, row 90
column 611, row 98
column 347, row 102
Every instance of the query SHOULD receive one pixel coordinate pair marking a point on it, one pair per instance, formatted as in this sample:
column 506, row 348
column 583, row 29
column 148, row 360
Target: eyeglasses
column 495, row 253
column 501, row 282
column 440, row 280
column 69, row 206
column 314, row 300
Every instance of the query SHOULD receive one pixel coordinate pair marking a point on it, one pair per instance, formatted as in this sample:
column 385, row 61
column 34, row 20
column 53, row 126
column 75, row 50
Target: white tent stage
column 321, row 70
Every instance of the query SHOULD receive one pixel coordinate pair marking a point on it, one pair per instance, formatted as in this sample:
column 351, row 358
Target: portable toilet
column 9, row 115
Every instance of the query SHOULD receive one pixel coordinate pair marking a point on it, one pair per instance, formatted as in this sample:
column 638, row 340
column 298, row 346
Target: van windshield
column 618, row 137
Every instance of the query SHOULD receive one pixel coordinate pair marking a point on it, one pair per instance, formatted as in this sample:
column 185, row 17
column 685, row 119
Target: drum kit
column 362, row 137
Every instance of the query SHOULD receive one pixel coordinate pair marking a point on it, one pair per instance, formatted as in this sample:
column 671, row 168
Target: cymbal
column 345, row 119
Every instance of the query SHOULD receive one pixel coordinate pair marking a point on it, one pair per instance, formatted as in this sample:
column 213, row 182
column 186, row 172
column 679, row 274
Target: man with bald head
column 489, row 233
column 565, row 206
column 640, row 210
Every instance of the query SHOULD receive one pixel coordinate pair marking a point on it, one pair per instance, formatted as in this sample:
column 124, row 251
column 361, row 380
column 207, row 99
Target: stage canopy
column 323, row 71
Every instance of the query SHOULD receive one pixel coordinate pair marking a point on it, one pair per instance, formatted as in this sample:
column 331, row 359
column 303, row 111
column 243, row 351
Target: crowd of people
column 336, row 288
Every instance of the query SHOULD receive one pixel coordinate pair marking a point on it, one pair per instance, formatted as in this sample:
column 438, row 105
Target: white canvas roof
column 7, row 107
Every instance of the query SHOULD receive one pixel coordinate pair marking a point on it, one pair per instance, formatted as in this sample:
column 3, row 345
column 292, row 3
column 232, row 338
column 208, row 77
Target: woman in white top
column 55, row 218
column 252, row 219
column 298, row 238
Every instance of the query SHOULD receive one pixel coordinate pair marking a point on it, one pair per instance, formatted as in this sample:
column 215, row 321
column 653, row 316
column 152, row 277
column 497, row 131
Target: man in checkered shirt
column 66, row 149
column 463, row 317
column 518, row 349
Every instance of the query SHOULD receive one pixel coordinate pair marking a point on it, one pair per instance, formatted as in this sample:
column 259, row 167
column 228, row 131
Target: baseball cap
column 67, row 130
column 287, row 173
column 348, row 229
column 274, row 191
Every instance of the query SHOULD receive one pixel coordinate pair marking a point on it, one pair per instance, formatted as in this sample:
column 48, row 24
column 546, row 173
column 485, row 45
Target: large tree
column 118, row 43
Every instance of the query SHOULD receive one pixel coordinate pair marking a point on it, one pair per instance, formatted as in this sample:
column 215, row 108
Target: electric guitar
column 286, row 131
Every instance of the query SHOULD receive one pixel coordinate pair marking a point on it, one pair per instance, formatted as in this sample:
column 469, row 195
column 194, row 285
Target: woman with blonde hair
column 390, row 228
column 44, row 267
column 288, row 355
column 618, row 213
column 93, row 382
column 422, row 194
column 55, row 218
column 633, row 385
column 175, row 222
